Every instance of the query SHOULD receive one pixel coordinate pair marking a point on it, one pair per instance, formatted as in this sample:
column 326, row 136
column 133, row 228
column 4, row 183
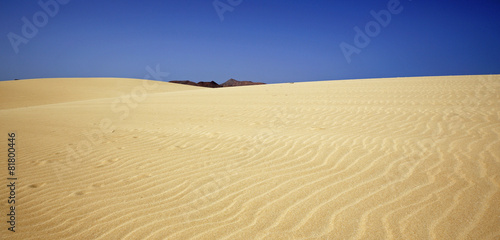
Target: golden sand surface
column 395, row 158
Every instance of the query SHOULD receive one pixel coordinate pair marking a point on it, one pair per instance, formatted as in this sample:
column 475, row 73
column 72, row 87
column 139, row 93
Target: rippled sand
column 399, row 158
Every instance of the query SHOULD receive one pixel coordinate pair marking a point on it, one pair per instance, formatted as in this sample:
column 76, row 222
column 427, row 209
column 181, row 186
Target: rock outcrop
column 186, row 82
column 211, row 84
column 229, row 83
column 233, row 82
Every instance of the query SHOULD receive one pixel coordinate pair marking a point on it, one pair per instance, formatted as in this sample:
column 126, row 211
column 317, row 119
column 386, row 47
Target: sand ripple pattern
column 401, row 158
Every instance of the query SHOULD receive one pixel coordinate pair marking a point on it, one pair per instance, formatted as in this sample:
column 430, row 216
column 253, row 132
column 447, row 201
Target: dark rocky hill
column 229, row 83
column 211, row 84
column 233, row 83
column 186, row 82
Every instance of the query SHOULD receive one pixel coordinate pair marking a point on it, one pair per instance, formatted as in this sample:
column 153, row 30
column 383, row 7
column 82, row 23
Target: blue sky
column 269, row 41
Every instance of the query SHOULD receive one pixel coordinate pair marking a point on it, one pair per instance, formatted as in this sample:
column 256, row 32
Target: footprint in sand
column 97, row 185
column 80, row 193
column 36, row 185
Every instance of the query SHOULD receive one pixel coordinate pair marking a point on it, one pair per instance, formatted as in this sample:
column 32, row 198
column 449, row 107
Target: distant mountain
column 186, row 82
column 229, row 83
column 233, row 82
column 211, row 84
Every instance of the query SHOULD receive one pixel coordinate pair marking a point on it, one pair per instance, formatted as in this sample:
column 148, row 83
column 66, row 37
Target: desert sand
column 396, row 158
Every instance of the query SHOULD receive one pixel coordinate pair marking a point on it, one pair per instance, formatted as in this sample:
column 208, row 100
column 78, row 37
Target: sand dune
column 33, row 92
column 399, row 158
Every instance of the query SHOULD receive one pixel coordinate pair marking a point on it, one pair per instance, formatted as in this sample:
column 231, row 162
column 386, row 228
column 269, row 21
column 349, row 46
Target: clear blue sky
column 260, row 40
